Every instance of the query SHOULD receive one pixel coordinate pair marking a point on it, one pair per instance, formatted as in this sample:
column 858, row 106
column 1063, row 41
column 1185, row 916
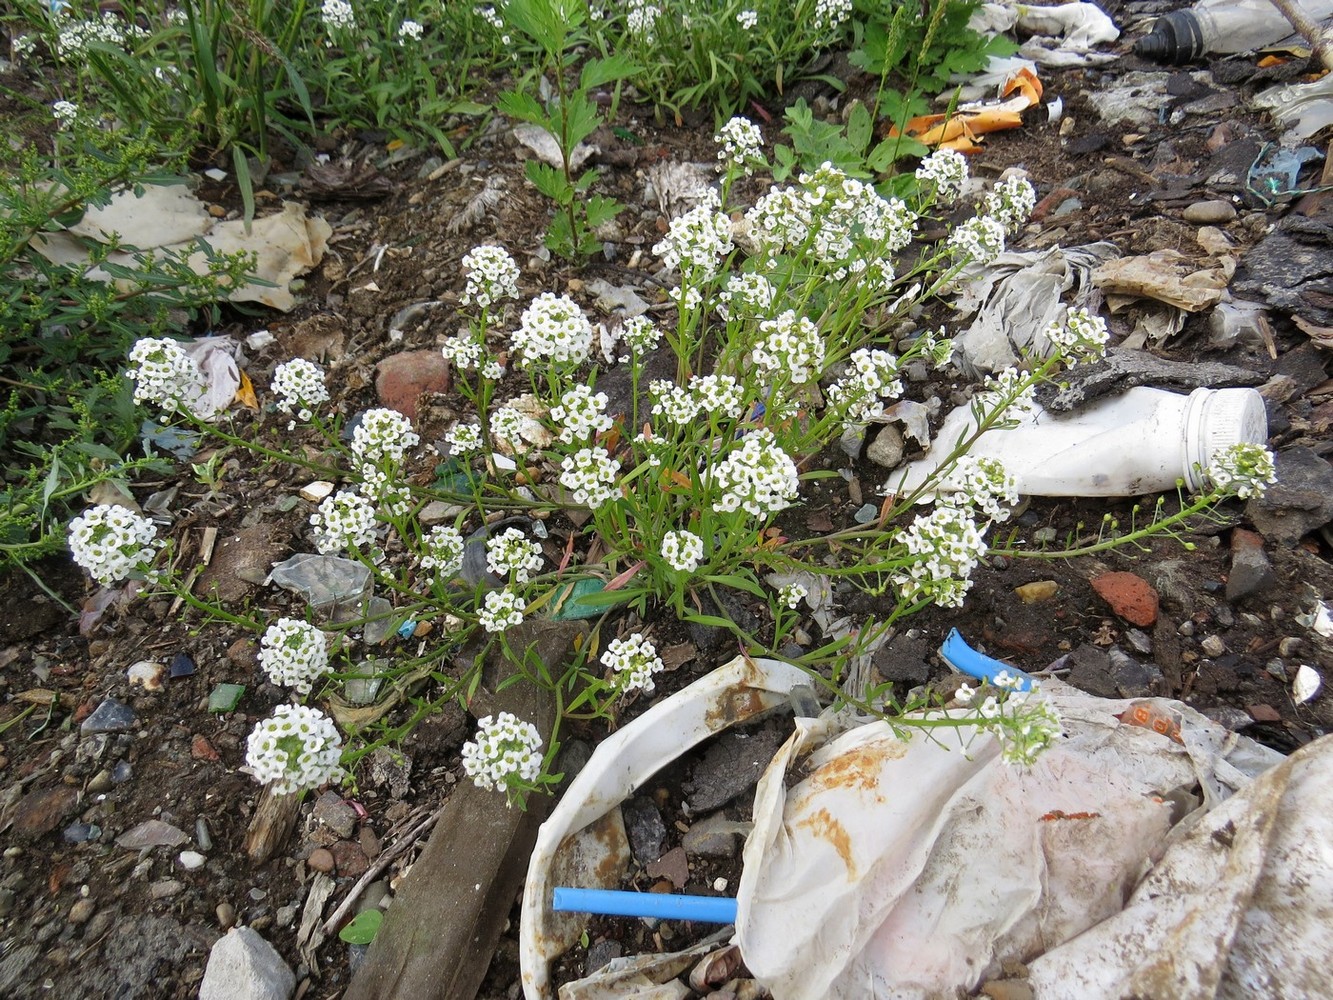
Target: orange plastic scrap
column 960, row 131
column 1147, row 715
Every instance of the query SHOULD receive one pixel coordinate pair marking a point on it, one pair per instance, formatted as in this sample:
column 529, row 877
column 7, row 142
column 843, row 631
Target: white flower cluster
column 938, row 346
column 65, row 113
column 505, row 755
column 945, row 170
column 683, row 550
column 1243, row 470
column 1026, row 726
column 590, row 475
column 872, row 376
column 790, row 344
column 641, row 19
column 501, row 610
column 582, row 414
column 758, row 477
column 672, row 402
column 492, row 274
column 634, row 660
column 792, row 594
column 507, row 426
column 294, row 653
column 946, row 547
column 553, row 327
column 980, row 239
column 110, row 29
column 697, row 241
column 747, row 19
column 715, row 395
column 383, row 434
column 24, row 46
column 641, row 334
column 164, row 374
column 111, row 542
column 463, row 439
column 337, row 14
column 493, row 370
column 1081, row 336
column 510, row 553
column 444, row 551
column 489, row 15
column 296, row 749
column 740, row 140
column 410, row 30
column 830, row 14
column 299, row 386
column 749, row 293
column 1008, row 389
column 1011, row 203
column 343, row 521
column 985, row 485
column 462, row 352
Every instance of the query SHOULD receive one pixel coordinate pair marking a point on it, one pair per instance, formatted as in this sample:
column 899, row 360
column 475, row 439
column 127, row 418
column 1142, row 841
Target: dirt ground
column 82, row 916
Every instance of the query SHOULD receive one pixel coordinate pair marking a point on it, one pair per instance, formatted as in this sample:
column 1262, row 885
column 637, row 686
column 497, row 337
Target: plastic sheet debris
column 170, row 218
column 326, row 582
column 578, row 843
column 1306, row 107
column 219, row 360
column 960, row 131
column 1067, row 35
column 1274, row 175
column 1141, row 441
column 1306, row 684
column 915, row 867
column 1017, row 296
column 1165, row 276
column 546, row 149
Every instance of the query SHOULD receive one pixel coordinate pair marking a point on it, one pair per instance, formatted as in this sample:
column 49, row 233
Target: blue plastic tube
column 661, row 905
column 963, row 658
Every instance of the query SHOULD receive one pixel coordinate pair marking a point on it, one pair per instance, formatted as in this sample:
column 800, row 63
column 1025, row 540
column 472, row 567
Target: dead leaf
column 245, row 393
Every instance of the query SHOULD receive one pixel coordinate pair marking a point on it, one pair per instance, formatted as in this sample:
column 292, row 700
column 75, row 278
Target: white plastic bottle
column 1141, row 441
column 1221, row 26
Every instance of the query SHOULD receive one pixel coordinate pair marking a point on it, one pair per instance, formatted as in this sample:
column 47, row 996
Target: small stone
column 79, row 833
column 148, row 675
column 226, row 914
column 110, row 716
column 1264, row 713
column 336, row 814
column 1130, row 597
column 1289, row 647
column 1209, row 213
column 6, row 902
column 203, row 836
column 349, row 859
column 1212, row 646
column 286, row 915
column 243, row 964
column 181, row 666
column 644, row 828
column 401, row 378
column 886, row 449
column 599, row 954
column 1044, row 536
column 82, row 911
column 673, row 865
column 165, row 889
column 100, row 782
column 711, row 837
column 190, row 860
column 1251, row 572
column 866, row 513
column 151, row 833
column 1139, row 641
column 243, row 654
column 852, row 440
column 321, row 859
column 316, row 491
column 1185, row 629
column 201, row 749
column 41, row 811
column 1036, row 592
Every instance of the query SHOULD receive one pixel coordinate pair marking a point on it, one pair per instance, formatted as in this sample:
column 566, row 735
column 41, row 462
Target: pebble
column 286, row 915
column 1213, row 646
column 1209, row 213
column 190, row 860
column 337, row 815
column 226, row 914
column 100, row 782
column 645, row 829
column 1036, row 592
column 202, row 835
column 1186, row 629
column 886, row 449
column 6, row 902
column 1289, row 646
column 321, row 859
column 82, row 911
column 165, row 889
column 147, row 674
column 1139, row 641
column 110, row 716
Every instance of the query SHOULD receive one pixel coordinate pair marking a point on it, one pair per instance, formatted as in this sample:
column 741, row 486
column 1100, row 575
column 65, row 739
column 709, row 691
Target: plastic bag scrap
column 1306, row 107
column 1017, row 296
column 170, row 217
column 960, row 131
column 911, row 868
column 1064, row 35
column 582, row 844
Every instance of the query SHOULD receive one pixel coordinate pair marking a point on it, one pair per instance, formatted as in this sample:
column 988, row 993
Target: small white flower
column 444, row 551
column 299, row 387
column 507, row 426
column 747, row 19
column 462, row 352
column 1080, row 336
column 682, row 550
column 510, row 552
column 792, row 594
column 505, row 755
column 553, row 328
column 634, row 660
column 758, row 477
column 581, row 413
column 965, row 692
column 640, row 334
column 501, row 610
column 740, row 140
column 383, row 434
column 790, row 345
column 111, row 543
column 492, row 274
column 164, row 374
column 1243, row 470
column 65, row 112
column 492, row 370
column 830, row 14
column 343, row 521
column 946, row 171
column 296, row 749
column 294, row 653
column 697, row 241
column 990, row 708
column 590, row 475
column 1011, row 203
column 985, row 485
column 337, row 14
column 945, row 546
column 409, row 30
column 463, row 439
column 980, row 239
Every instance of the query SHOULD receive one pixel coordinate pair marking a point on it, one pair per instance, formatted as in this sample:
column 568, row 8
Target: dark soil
column 66, row 797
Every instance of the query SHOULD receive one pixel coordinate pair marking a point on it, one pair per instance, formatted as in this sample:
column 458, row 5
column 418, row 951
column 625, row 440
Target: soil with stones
column 84, row 911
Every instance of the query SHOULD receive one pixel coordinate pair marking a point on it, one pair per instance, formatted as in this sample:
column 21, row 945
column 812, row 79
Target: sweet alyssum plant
column 778, row 342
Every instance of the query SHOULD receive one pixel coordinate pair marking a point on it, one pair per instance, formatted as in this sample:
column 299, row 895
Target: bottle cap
column 1215, row 420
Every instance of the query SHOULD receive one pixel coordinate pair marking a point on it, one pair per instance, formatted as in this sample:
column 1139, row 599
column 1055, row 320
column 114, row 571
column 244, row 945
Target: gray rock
column 853, row 439
column 887, row 448
column 1090, row 671
column 1124, row 369
column 731, row 766
column 1299, row 502
column 1289, row 269
column 1131, row 678
column 903, row 660
column 1209, row 213
column 711, row 837
column 1139, row 641
column 1212, row 646
column 109, row 717
column 1251, row 573
column 599, row 954
column 644, row 828
column 151, row 833
column 337, row 815
column 243, row 966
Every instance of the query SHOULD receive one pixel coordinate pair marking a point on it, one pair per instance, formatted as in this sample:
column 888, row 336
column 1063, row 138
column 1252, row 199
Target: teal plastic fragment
column 225, row 697
column 570, row 606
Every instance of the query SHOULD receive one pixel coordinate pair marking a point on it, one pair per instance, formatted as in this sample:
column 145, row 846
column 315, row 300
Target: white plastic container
column 1221, row 27
column 1141, row 441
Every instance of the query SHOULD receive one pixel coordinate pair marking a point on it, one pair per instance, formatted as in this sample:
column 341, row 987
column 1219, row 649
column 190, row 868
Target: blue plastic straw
column 661, row 905
column 963, row 658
